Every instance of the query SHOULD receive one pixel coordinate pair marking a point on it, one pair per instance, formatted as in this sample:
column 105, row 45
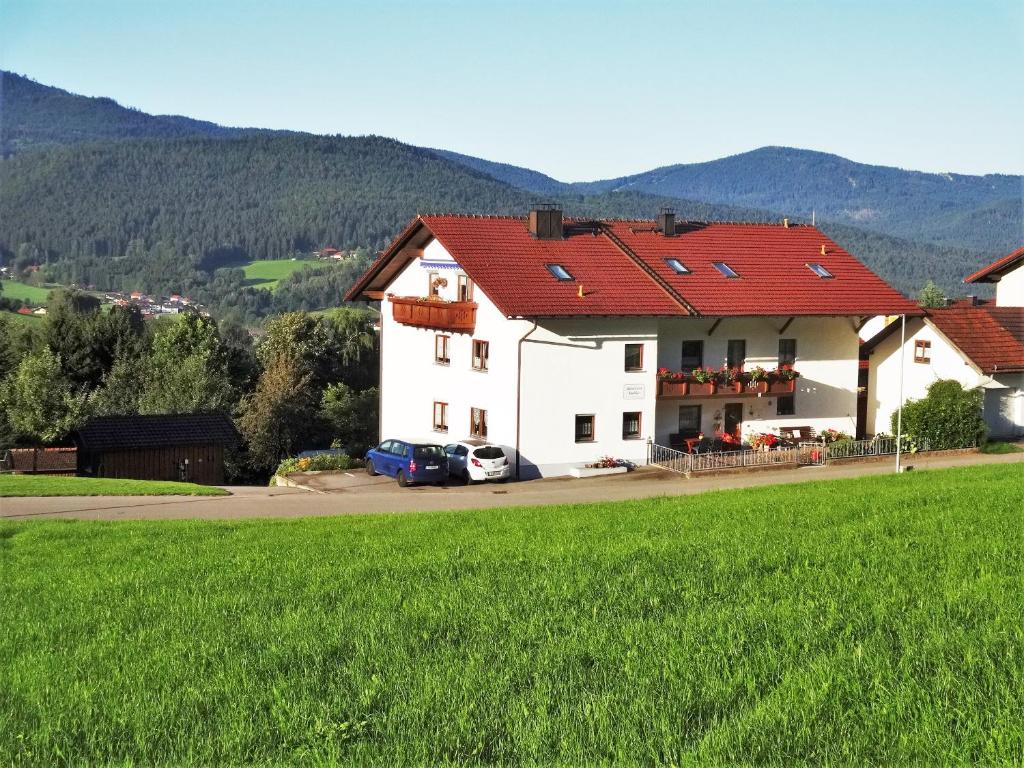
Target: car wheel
column 403, row 481
column 370, row 470
column 441, row 483
column 466, row 478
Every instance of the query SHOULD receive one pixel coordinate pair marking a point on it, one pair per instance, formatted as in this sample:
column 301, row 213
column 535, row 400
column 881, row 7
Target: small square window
column 677, row 266
column 441, row 349
column 820, row 271
column 478, row 422
column 922, row 351
column 634, row 357
column 631, row 425
column 440, row 416
column 785, row 405
column 584, row 427
column 560, row 272
column 725, row 269
column 480, row 351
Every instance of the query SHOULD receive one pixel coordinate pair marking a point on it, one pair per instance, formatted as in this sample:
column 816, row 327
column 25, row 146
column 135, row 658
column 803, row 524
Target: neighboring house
column 40, row 461
column 978, row 343
column 187, row 447
column 544, row 335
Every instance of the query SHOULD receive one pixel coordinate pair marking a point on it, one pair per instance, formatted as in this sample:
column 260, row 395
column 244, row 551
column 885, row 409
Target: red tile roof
column 997, row 267
column 992, row 337
column 620, row 265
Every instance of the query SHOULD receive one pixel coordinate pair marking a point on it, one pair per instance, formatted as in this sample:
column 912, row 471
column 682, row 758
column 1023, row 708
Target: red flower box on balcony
column 709, row 388
column 673, row 387
column 782, row 387
column 455, row 316
column 758, row 387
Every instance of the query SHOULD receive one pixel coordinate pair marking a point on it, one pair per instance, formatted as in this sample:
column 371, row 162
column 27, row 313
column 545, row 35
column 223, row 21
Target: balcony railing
column 669, row 389
column 454, row 316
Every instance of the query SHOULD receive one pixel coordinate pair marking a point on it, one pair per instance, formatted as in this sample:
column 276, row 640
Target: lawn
column 999, row 447
column 877, row 621
column 267, row 273
column 30, row 294
column 24, row 319
column 41, row 485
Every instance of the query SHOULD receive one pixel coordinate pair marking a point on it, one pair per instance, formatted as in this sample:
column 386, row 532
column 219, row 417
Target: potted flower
column 758, row 380
column 705, row 380
column 783, row 380
column 731, row 378
column 672, row 383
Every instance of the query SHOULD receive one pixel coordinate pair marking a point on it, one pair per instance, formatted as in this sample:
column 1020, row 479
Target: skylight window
column 820, row 271
column 725, row 269
column 677, row 266
column 560, row 272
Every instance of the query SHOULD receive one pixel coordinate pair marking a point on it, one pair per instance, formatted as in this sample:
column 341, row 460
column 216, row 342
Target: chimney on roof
column 545, row 221
column 974, row 300
column 785, row 223
column 667, row 221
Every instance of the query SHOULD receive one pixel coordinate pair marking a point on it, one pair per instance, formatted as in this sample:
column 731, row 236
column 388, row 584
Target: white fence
column 805, row 454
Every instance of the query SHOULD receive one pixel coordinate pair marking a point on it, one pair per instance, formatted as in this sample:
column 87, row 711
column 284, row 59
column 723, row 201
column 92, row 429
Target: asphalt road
column 338, row 494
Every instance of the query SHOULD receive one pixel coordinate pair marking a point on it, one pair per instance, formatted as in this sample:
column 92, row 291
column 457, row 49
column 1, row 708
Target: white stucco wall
column 411, row 381
column 826, row 392
column 1004, row 398
column 1010, row 289
column 577, row 366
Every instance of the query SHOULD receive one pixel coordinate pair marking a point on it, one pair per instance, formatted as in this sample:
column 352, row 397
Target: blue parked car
column 408, row 462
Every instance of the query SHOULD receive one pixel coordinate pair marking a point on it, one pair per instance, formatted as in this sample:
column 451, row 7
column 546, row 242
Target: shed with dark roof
column 185, row 447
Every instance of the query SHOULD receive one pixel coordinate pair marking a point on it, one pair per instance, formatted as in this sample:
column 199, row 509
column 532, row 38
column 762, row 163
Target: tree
column 350, row 417
column 931, row 296
column 40, row 402
column 119, row 395
column 69, row 330
column 278, row 417
column 187, row 369
column 949, row 416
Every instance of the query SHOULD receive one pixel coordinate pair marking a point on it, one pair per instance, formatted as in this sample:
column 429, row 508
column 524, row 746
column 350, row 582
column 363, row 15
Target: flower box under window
column 455, row 316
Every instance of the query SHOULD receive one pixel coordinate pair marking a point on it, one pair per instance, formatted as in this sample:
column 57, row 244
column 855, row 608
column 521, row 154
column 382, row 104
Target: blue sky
column 576, row 90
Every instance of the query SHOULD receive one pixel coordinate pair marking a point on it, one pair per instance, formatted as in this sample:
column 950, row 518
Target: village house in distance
column 564, row 340
column 976, row 342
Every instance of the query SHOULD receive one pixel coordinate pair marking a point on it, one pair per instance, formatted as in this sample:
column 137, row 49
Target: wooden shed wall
column 205, row 464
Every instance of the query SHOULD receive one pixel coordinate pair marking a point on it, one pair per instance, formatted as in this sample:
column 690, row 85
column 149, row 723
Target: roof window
column 677, row 266
column 725, row 269
column 820, row 271
column 560, row 272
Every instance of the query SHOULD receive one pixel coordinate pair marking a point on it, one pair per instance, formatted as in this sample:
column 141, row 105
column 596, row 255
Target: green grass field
column 30, row 294
column 41, row 485
column 870, row 622
column 267, row 273
column 1001, row 447
column 26, row 319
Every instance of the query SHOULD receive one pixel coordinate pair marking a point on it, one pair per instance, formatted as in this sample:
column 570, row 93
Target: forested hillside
column 979, row 212
column 118, row 199
column 36, row 115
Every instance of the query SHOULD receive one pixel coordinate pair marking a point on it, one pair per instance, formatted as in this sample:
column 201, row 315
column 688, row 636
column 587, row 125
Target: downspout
column 899, row 413
column 519, row 389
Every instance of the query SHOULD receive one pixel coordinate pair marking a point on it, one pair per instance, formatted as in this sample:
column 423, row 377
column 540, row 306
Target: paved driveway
column 359, row 494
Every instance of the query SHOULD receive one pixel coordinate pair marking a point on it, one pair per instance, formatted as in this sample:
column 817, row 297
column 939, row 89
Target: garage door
column 1003, row 412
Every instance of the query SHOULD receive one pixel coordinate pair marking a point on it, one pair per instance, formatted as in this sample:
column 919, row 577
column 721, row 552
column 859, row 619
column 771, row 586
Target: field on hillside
column 30, row 294
column 869, row 622
column 28, row 319
column 267, row 273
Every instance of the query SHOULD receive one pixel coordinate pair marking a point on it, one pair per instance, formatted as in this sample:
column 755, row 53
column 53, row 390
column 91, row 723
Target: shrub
column 318, row 463
column 948, row 417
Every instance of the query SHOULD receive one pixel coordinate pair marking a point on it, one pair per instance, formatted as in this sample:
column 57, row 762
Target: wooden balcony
column 454, row 316
column 679, row 389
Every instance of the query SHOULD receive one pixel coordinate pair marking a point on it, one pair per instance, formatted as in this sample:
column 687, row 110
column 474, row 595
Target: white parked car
column 475, row 461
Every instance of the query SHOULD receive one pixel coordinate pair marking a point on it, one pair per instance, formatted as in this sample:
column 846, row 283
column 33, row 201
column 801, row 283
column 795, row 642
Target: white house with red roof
column 546, row 335
column 978, row 343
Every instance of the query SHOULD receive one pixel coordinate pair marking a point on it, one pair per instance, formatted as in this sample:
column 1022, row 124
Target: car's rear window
column 489, row 452
column 427, row 452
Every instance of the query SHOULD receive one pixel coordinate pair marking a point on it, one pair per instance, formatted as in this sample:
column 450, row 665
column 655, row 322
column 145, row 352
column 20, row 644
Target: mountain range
column 94, row 189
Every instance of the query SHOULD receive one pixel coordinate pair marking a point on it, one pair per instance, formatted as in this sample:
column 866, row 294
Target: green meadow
column 267, row 273
column 876, row 621
column 41, row 485
column 30, row 294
